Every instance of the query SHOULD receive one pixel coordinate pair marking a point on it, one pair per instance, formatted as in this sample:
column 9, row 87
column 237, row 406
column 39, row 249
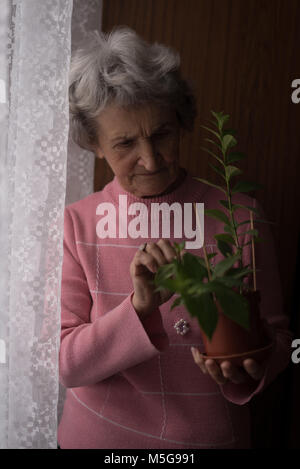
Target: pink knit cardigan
column 132, row 384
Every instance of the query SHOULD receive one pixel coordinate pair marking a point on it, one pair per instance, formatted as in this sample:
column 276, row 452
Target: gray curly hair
column 121, row 68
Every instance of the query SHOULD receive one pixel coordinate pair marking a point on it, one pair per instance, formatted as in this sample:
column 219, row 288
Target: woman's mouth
column 151, row 174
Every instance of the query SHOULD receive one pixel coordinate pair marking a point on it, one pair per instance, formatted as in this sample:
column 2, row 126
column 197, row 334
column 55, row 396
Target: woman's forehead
column 118, row 121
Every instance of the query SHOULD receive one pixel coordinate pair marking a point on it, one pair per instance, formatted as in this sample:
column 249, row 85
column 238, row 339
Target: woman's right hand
column 142, row 271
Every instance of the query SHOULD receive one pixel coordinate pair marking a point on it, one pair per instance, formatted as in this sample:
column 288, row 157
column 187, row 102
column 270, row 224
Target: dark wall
column 241, row 57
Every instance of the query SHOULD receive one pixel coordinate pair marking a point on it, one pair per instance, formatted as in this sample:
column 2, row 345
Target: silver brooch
column 182, row 327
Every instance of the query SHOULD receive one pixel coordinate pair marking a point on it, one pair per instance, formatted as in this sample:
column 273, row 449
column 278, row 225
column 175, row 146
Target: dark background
column 241, row 57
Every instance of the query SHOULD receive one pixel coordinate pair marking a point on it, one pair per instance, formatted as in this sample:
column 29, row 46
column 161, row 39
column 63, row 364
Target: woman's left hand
column 227, row 371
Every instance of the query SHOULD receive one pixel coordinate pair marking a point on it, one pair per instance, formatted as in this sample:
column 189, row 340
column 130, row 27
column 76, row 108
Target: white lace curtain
column 40, row 172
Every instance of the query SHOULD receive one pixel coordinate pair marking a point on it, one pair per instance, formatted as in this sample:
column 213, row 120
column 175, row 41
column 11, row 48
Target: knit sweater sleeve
column 275, row 321
column 117, row 340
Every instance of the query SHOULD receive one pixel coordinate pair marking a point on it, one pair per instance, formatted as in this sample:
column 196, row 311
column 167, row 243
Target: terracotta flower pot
column 232, row 342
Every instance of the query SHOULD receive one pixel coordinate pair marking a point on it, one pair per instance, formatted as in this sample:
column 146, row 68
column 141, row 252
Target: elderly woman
column 132, row 380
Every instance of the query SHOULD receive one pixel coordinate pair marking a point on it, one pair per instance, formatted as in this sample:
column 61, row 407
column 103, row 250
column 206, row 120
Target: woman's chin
column 147, row 185
column 153, row 190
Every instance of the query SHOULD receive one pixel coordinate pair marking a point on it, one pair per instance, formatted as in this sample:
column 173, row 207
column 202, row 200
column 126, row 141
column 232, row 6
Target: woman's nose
column 149, row 156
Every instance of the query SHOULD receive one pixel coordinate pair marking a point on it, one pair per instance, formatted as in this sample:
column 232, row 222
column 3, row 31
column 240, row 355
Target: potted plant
column 223, row 295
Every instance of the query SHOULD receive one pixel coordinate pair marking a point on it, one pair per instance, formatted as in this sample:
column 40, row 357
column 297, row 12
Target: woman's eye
column 125, row 144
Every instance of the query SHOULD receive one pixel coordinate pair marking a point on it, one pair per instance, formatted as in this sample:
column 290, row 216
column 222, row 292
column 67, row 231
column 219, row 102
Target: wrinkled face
column 141, row 145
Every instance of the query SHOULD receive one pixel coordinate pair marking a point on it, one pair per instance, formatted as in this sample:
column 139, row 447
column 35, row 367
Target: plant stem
column 232, row 220
column 206, row 262
column 204, row 249
column 235, row 236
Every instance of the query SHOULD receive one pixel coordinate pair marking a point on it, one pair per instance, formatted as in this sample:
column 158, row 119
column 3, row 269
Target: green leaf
column 176, row 285
column 209, row 256
column 238, row 272
column 225, row 237
column 212, row 254
column 246, row 207
column 235, row 156
column 163, row 278
column 229, row 229
column 179, row 246
column 225, row 203
column 213, row 132
column 243, row 223
column 228, row 141
column 221, row 268
column 213, row 123
column 205, row 310
column 218, row 215
column 224, row 248
column 256, row 240
column 167, row 284
column 166, row 270
column 220, row 118
column 233, row 305
column 213, row 154
column 192, row 267
column 232, row 171
column 245, row 186
column 214, row 143
column 211, row 184
column 251, row 232
column 229, row 132
column 230, row 282
column 219, row 171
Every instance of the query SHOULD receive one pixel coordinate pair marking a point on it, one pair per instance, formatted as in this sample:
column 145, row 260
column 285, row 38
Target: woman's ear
column 97, row 148
column 99, row 153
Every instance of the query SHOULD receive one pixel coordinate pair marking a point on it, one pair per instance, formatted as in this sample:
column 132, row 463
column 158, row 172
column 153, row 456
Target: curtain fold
column 33, row 188
column 41, row 171
column 86, row 17
column 5, row 14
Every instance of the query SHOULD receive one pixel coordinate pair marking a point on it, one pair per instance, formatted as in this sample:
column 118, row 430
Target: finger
column 144, row 261
column 157, row 253
column 232, row 373
column 254, row 369
column 215, row 371
column 198, row 359
column 167, row 249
